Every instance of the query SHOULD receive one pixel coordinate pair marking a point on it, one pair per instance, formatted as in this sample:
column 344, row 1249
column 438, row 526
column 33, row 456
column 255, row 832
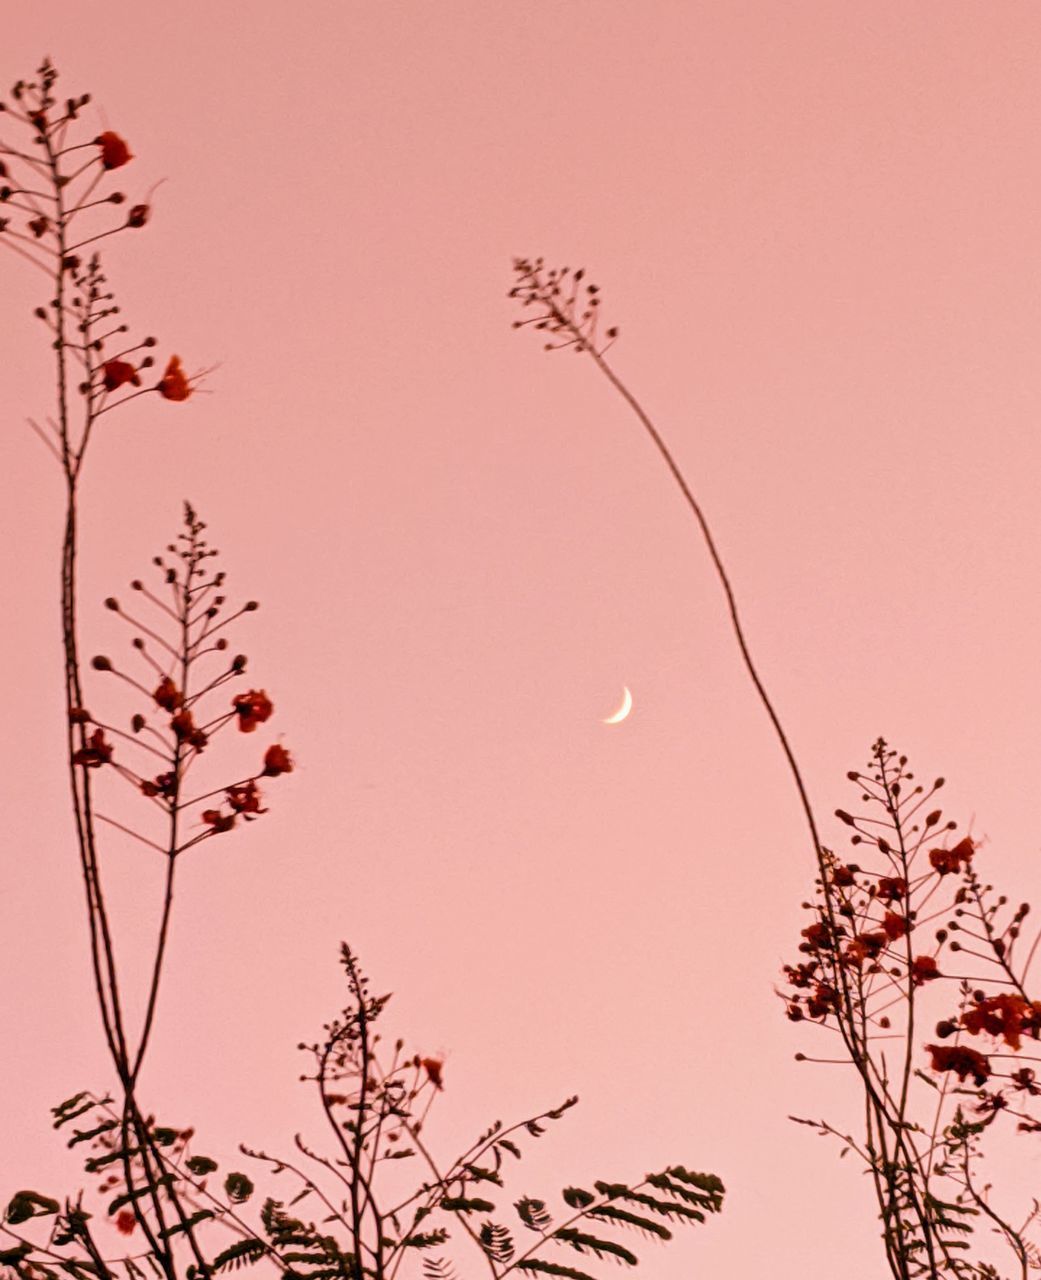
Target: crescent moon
column 623, row 710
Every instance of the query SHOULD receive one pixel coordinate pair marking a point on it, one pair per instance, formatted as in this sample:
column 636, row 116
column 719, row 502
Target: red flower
column 1024, row 1079
column 277, row 760
column 865, row 946
column 895, row 926
column 217, row 820
column 1005, row 1015
column 891, row 887
column 433, row 1068
column 183, row 725
column 801, row 975
column 962, row 1060
column 163, row 785
column 947, row 860
column 824, row 1000
column 125, row 1222
column 38, row 226
column 114, row 151
column 117, row 373
column 253, row 708
column 245, row 799
column 167, row 695
column 173, row 385
column 96, row 753
column 185, row 731
column 923, row 969
column 818, row 937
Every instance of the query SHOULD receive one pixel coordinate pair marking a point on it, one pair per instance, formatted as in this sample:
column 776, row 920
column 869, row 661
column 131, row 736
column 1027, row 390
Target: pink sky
column 817, row 225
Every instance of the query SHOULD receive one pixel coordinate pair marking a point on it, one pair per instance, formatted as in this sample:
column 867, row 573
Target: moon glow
column 623, row 710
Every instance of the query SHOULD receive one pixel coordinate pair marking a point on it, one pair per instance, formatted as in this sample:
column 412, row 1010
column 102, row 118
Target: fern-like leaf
column 85, row 1135
column 192, row 1220
column 438, row 1269
column 243, row 1253
column 121, row 1153
column 702, row 1189
column 497, row 1242
column 625, row 1218
column 30, row 1204
column 667, row 1208
column 467, row 1204
column 72, row 1108
column 577, row 1198
column 425, row 1239
column 585, row 1243
column 128, row 1197
column 551, row 1269
column 533, row 1214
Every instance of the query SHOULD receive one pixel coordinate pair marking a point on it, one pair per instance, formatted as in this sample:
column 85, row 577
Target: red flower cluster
column 277, row 760
column 894, row 926
column 825, row 1000
column 962, row 1060
column 114, row 151
column 219, row 821
column 818, row 937
column 119, row 373
column 947, row 860
column 125, row 1222
column 96, row 753
column 1025, row 1079
column 434, row 1067
column 245, row 799
column 1007, row 1016
column 185, row 731
column 253, row 708
column 174, row 384
column 923, row 969
column 891, row 888
column 167, row 695
column 163, row 785
column 865, row 946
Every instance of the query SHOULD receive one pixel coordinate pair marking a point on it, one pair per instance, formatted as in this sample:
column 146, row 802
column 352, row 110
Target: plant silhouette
column 183, row 759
